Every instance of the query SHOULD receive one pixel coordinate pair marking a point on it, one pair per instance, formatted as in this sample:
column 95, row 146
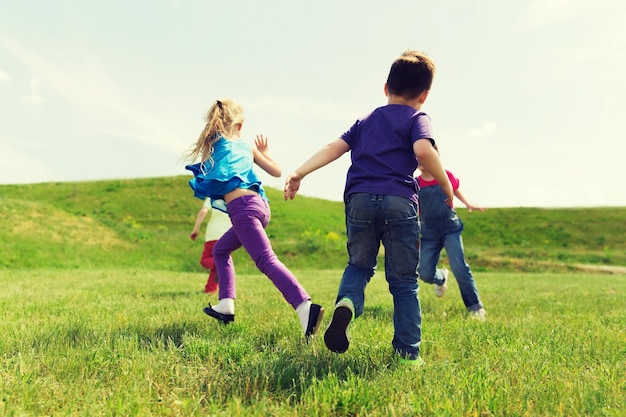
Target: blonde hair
column 220, row 119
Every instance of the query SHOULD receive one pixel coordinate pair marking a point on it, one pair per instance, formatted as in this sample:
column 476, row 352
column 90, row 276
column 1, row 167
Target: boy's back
column 382, row 155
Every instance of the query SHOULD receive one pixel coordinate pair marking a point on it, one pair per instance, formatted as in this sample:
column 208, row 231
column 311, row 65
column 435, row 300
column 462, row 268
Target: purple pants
column 250, row 215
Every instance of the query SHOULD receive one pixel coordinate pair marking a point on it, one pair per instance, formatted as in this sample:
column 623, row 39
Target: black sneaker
column 224, row 318
column 337, row 336
column 315, row 319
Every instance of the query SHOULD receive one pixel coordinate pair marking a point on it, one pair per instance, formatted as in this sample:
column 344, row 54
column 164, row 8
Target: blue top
column 381, row 144
column 231, row 168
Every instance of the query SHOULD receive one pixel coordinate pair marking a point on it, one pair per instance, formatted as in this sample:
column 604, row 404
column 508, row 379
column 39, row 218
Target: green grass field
column 101, row 314
column 136, row 343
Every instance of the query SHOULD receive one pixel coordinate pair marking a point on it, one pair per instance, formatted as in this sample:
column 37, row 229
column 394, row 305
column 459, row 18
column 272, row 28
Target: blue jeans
column 437, row 235
column 370, row 219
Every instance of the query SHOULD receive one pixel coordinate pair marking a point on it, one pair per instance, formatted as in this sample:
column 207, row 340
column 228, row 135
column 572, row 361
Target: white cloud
column 88, row 84
column 487, row 129
column 602, row 48
column 545, row 12
column 121, row 135
column 33, row 96
column 19, row 167
column 4, row 76
column 307, row 107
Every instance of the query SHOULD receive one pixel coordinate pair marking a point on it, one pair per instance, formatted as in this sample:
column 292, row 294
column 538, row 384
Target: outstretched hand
column 261, row 143
column 292, row 185
column 262, row 156
column 471, row 207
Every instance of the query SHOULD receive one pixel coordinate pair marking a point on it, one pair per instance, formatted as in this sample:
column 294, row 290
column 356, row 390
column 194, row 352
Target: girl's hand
column 261, row 143
column 471, row 207
column 262, row 157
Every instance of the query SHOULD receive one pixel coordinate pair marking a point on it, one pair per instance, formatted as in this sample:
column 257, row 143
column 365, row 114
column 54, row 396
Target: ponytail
column 220, row 119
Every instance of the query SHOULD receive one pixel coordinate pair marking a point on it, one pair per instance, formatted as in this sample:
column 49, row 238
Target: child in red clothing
column 218, row 224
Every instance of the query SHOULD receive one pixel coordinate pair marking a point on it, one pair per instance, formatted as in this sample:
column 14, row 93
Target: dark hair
column 410, row 75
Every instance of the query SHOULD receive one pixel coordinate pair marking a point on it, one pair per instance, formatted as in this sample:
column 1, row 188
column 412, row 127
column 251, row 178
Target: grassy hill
column 145, row 223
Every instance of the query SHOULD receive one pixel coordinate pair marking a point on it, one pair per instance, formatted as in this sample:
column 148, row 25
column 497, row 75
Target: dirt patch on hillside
column 497, row 263
column 49, row 225
column 609, row 269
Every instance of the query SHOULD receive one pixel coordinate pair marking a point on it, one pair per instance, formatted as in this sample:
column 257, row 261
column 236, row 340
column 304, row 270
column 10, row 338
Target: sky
column 527, row 103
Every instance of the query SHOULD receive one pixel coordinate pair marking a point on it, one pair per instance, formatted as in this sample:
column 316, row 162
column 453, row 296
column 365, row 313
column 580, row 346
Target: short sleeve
column 422, row 128
column 453, row 180
column 350, row 134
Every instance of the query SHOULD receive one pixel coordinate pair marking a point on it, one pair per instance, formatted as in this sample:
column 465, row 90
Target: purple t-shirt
column 381, row 145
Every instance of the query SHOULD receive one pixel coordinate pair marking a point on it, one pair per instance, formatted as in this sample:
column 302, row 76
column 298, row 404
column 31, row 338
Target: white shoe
column 478, row 314
column 440, row 289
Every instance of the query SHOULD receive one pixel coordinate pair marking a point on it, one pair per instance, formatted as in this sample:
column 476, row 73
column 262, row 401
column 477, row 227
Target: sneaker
column 440, row 289
column 223, row 318
column 337, row 336
column 315, row 319
column 413, row 362
column 479, row 314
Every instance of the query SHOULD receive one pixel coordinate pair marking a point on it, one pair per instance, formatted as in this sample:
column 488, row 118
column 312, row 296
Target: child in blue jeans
column 380, row 199
column 441, row 228
column 226, row 176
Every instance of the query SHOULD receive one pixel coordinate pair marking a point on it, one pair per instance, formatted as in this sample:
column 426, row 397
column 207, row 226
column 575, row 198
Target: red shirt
column 453, row 180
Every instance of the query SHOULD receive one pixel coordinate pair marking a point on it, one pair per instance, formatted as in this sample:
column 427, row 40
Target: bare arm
column 263, row 159
column 199, row 219
column 458, row 194
column 324, row 156
column 429, row 159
